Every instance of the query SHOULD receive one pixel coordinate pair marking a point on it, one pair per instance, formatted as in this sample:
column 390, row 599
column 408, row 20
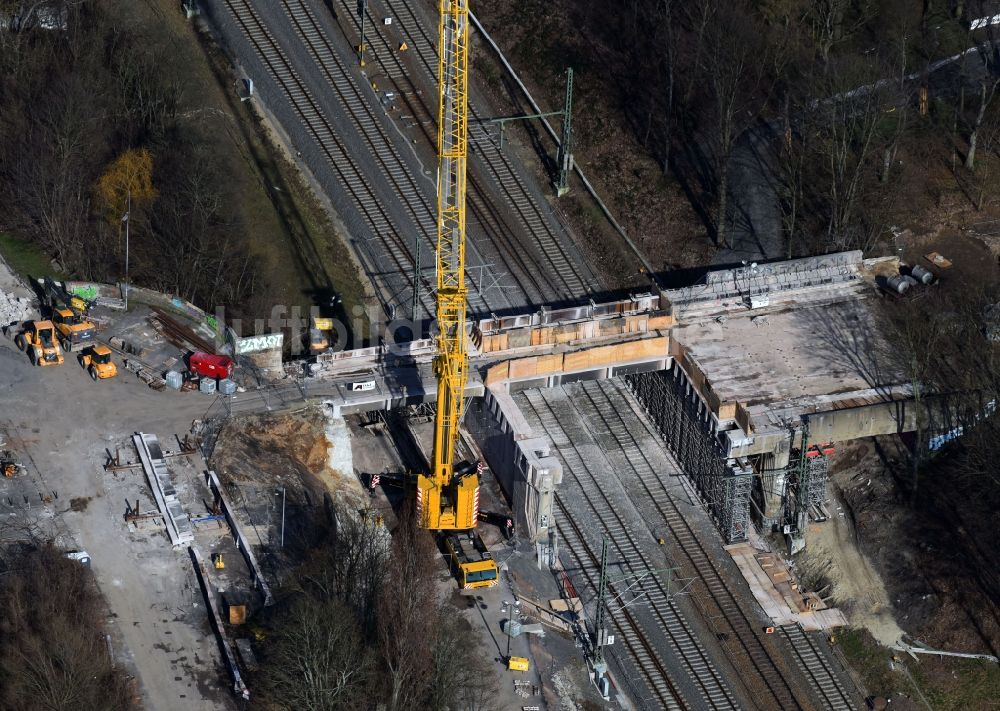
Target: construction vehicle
column 9, row 465
column 38, row 340
column 448, row 499
column 445, row 500
column 471, row 562
column 81, row 557
column 57, row 296
column 321, row 335
column 75, row 331
column 96, row 359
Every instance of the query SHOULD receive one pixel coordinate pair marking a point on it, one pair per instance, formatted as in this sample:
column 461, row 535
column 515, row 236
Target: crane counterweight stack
column 444, row 501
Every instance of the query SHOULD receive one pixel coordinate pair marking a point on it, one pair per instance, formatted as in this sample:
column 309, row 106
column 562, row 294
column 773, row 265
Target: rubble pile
column 14, row 308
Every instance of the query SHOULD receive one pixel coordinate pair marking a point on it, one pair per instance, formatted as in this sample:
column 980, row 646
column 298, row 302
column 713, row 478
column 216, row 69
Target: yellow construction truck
column 56, row 295
column 96, row 359
column 69, row 315
column 471, row 562
column 38, row 340
column 75, row 331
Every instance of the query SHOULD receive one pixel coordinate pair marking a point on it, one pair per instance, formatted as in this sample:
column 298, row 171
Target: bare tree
column 987, row 90
column 461, row 676
column 406, row 617
column 735, row 67
column 847, row 130
column 351, row 566
column 830, row 25
column 53, row 654
column 317, row 660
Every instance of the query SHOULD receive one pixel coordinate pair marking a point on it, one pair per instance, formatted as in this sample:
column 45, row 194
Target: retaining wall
column 520, row 462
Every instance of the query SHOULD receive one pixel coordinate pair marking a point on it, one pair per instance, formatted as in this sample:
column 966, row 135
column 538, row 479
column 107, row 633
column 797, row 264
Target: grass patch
column 948, row 683
column 967, row 684
column 25, row 258
column 309, row 260
column 871, row 661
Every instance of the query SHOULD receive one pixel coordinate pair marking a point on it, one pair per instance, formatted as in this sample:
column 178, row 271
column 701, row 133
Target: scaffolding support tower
column 685, row 425
column 814, row 485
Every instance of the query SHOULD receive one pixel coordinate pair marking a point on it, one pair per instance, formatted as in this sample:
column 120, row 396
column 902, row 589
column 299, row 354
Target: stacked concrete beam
column 155, row 466
column 778, row 280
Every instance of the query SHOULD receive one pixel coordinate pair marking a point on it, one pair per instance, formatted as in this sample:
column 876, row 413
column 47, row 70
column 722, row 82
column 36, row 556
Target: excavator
column 69, row 315
column 447, row 499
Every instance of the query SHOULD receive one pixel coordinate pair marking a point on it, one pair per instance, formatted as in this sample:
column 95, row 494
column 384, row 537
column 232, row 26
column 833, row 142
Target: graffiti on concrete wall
column 256, row 344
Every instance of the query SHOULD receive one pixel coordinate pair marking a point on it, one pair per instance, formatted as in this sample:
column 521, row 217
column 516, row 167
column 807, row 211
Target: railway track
column 699, row 684
column 540, row 247
column 517, row 259
column 414, row 198
column 759, row 666
column 645, row 657
column 351, row 177
column 812, row 661
column 307, row 109
column 483, row 214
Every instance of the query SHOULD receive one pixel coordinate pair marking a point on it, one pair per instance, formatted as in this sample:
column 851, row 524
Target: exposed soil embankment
column 927, row 566
column 302, row 451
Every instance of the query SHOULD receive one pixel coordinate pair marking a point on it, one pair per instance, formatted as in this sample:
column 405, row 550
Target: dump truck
column 38, row 339
column 75, row 332
column 96, row 359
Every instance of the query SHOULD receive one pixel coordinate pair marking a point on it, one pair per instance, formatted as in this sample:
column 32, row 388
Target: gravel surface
column 60, row 422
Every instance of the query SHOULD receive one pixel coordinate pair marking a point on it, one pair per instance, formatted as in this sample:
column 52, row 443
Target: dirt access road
column 64, row 421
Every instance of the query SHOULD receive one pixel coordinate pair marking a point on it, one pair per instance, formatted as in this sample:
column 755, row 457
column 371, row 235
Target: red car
column 211, row 366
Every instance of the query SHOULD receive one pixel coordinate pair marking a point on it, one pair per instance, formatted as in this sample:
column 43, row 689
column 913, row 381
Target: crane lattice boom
column 444, row 502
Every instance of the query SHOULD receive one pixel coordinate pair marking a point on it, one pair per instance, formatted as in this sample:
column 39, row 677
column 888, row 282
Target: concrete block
column 523, row 367
column 549, row 364
column 519, row 338
column 498, row 373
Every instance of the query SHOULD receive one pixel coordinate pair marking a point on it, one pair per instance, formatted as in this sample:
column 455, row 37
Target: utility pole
column 600, row 668
column 504, row 120
column 416, row 280
column 601, row 638
column 282, row 516
column 565, row 159
column 127, row 220
column 363, row 11
column 510, row 614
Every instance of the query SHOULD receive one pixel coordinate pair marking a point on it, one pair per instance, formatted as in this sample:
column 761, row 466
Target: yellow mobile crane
column 444, row 501
column 447, row 500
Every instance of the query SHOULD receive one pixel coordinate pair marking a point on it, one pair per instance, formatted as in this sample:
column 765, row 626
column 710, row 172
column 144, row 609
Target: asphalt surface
column 755, row 229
